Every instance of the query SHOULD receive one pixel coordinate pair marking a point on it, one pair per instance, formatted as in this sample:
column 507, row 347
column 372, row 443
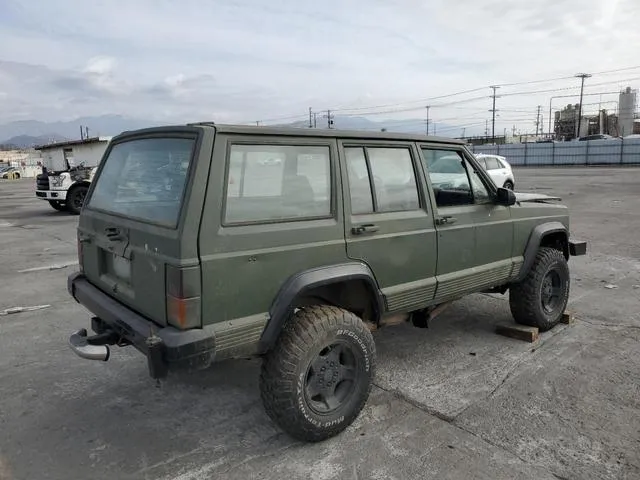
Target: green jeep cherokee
column 205, row 242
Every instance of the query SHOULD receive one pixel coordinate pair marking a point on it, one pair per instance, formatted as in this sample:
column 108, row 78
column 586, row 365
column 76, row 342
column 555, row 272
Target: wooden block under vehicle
column 521, row 332
column 568, row 318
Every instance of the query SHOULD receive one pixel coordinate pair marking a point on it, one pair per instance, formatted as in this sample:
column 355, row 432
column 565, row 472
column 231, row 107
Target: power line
column 617, row 70
column 388, row 107
column 424, row 100
column 533, row 81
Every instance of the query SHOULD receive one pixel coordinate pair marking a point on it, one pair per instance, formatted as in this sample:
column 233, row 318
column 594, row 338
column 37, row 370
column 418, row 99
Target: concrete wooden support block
column 568, row 318
column 521, row 332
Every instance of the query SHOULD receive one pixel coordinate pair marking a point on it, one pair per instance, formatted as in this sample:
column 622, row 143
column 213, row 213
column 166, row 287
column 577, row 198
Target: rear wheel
column 317, row 378
column 540, row 299
column 57, row 205
column 75, row 199
column 508, row 185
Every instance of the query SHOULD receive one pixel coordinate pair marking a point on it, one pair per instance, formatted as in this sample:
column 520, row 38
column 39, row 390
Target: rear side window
column 272, row 183
column 145, row 179
column 493, row 163
column 391, row 174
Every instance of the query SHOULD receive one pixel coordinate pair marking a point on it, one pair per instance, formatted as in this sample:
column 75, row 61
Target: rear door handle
column 446, row 220
column 360, row 229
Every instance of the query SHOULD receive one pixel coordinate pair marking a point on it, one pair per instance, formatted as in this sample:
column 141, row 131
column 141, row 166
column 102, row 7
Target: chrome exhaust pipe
column 80, row 346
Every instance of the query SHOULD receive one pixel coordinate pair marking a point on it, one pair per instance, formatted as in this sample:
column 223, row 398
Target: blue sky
column 247, row 60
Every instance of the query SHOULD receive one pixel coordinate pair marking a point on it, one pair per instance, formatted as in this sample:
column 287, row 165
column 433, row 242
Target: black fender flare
column 533, row 244
column 304, row 281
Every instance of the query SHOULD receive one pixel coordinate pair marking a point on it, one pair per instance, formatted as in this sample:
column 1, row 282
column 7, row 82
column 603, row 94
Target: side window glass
column 492, row 164
column 359, row 186
column 480, row 192
column 453, row 179
column 394, row 179
column 449, row 178
column 268, row 183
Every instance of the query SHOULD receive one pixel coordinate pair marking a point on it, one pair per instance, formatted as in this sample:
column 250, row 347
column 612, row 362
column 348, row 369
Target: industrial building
column 626, row 111
column 617, row 125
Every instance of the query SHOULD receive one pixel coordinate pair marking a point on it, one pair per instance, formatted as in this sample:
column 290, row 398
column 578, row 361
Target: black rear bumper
column 165, row 347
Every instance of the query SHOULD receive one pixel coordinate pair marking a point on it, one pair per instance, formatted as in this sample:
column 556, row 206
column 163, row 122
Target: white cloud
column 238, row 60
column 100, row 65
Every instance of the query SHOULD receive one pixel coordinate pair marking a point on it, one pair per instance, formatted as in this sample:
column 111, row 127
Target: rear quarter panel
column 244, row 266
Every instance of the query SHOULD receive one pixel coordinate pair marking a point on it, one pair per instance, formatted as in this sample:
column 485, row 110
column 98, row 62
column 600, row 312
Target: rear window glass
column 145, row 179
column 276, row 183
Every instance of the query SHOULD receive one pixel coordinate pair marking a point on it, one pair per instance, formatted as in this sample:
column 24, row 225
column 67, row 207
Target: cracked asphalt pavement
column 455, row 401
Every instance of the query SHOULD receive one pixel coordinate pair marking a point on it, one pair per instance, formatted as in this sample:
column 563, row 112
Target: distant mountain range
column 28, row 141
column 27, row 133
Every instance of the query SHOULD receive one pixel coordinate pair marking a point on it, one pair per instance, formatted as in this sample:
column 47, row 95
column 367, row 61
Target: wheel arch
column 328, row 284
column 550, row 234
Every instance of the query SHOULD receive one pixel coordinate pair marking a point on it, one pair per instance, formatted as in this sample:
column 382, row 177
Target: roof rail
column 201, row 123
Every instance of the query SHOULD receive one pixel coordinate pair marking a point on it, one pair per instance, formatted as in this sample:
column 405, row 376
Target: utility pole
column 315, row 120
column 463, row 131
column 538, row 121
column 86, row 132
column 257, row 123
column 310, row 118
column 493, row 112
column 428, row 107
column 550, row 134
column 581, row 76
column 81, row 132
column 486, row 128
column 329, row 119
column 513, row 131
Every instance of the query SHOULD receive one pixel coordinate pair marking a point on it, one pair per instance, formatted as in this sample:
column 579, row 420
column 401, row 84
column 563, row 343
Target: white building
column 62, row 156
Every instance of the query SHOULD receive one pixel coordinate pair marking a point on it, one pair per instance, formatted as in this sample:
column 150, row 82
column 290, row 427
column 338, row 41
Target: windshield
column 144, row 179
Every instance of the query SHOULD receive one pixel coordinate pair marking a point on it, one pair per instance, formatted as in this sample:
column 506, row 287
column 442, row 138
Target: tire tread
column 278, row 374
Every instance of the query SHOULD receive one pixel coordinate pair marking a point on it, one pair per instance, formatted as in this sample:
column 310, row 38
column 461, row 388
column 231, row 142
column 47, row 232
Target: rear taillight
column 183, row 297
column 80, row 248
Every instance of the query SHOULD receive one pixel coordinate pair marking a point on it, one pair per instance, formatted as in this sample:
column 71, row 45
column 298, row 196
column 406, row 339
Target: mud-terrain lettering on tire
column 317, row 378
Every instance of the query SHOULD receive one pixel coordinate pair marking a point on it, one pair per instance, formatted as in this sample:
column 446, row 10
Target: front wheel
column 75, row 199
column 508, row 185
column 317, row 378
column 540, row 299
column 57, row 205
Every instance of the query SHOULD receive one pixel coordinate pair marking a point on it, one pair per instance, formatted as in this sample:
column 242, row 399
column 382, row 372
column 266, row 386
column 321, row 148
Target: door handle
column 445, row 220
column 360, row 229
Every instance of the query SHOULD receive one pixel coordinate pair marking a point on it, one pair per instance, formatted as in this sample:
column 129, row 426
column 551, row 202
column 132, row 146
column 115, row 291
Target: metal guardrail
column 592, row 152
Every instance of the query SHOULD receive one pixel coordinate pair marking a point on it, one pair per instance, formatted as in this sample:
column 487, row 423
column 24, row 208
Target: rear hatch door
column 130, row 229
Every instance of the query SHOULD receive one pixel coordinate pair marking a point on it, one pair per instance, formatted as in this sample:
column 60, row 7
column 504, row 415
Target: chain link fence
column 592, row 152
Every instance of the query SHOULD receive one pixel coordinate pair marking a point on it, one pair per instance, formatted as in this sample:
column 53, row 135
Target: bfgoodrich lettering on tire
column 541, row 297
column 318, row 376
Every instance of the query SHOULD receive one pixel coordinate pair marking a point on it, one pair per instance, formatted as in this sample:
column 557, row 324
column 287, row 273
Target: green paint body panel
column 240, row 269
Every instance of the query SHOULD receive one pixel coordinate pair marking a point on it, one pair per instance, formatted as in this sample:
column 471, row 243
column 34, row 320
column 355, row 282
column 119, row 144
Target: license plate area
column 116, row 267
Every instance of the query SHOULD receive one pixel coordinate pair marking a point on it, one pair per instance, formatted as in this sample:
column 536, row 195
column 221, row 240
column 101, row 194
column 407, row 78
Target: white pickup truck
column 68, row 168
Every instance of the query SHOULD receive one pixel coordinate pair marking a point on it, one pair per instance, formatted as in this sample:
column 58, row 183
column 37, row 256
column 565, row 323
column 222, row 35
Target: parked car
column 498, row 169
column 353, row 233
column 10, row 173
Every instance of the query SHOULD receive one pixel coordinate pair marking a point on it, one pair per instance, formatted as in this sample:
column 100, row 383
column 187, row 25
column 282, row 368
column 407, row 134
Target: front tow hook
column 80, row 345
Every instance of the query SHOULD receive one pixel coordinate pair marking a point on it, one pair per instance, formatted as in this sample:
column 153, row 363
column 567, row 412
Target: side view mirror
column 506, row 197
